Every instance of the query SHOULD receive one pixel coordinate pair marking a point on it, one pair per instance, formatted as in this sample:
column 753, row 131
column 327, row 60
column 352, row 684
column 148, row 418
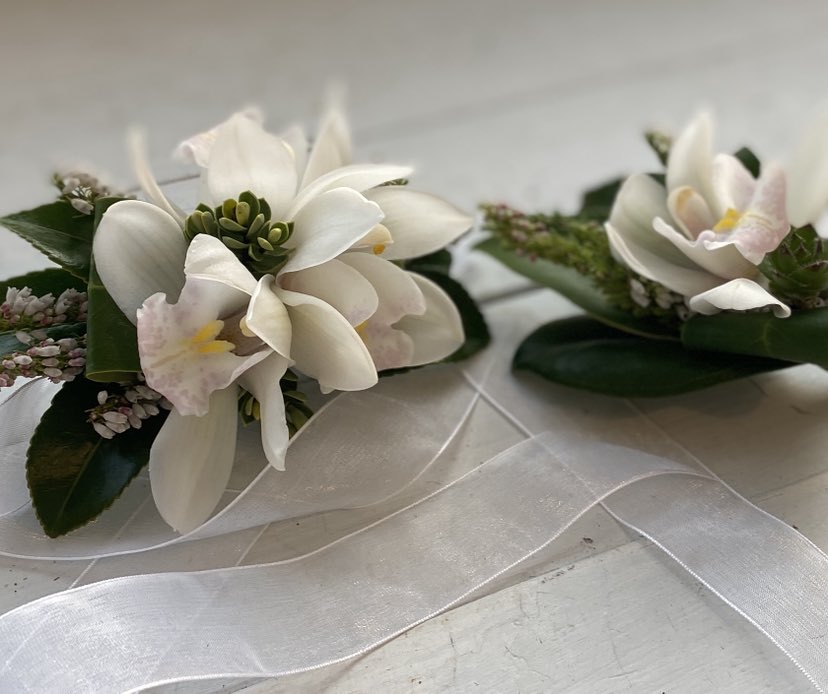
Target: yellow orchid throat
column 728, row 221
column 204, row 341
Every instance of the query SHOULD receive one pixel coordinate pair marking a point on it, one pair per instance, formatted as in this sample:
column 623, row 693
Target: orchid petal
column 690, row 159
column 690, row 211
column 295, row 138
column 377, row 240
column 183, row 355
column 139, row 250
column 262, row 381
column 360, row 177
column 338, row 284
column 332, row 149
column 390, row 348
column 188, row 483
column 245, row 157
column 268, row 318
column 762, row 228
column 398, row 292
column 419, row 223
column 737, row 295
column 140, row 165
column 328, row 225
column 682, row 279
column 208, row 258
column 722, row 259
column 733, row 184
column 438, row 333
column 196, row 149
column 808, row 174
column 639, row 201
column 325, row 346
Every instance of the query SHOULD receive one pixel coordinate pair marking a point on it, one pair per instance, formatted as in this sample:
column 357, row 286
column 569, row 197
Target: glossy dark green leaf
column 749, row 160
column 439, row 261
column 52, row 281
column 9, row 343
column 801, row 338
column 59, row 231
column 73, row 473
column 597, row 203
column 578, row 289
column 112, row 341
column 474, row 325
column 586, row 354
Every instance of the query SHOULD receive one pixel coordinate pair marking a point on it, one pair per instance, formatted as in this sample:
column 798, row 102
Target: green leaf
column 73, row 473
column 802, row 338
column 52, row 281
column 439, row 261
column 750, row 161
column 583, row 353
column 578, row 289
column 58, row 231
column 474, row 325
column 597, row 202
column 112, row 341
column 9, row 343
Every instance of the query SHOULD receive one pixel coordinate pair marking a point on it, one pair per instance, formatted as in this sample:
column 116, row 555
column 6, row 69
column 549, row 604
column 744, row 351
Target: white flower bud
column 135, row 422
column 115, row 417
column 139, row 411
column 102, row 397
column 104, row 431
column 23, row 359
column 53, row 373
column 118, row 427
column 47, row 351
column 82, row 206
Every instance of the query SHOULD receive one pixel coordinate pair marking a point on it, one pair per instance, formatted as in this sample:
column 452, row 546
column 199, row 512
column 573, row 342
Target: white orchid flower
column 403, row 318
column 206, row 326
column 704, row 233
column 807, row 173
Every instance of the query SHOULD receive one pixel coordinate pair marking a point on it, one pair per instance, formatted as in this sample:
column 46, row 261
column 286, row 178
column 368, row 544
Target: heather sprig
column 125, row 406
column 23, row 310
column 58, row 360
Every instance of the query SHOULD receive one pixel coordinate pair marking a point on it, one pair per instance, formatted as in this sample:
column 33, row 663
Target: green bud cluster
column 297, row 411
column 245, row 227
column 798, row 269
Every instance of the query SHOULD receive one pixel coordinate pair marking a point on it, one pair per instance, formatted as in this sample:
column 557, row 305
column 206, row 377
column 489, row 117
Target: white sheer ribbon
column 339, row 601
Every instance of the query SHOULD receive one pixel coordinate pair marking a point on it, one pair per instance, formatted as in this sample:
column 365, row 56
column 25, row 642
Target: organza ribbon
column 402, row 568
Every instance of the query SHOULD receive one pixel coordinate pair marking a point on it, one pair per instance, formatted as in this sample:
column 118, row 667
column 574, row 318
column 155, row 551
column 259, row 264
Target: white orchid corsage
column 710, row 270
column 165, row 326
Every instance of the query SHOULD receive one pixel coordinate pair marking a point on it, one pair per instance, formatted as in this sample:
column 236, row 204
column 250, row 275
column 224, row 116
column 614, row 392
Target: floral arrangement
column 708, row 270
column 166, row 327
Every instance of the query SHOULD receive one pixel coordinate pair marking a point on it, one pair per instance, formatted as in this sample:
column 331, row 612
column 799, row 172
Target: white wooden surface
column 520, row 101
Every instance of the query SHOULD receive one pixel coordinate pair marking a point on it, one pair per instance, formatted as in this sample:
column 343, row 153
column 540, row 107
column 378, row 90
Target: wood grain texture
column 525, row 101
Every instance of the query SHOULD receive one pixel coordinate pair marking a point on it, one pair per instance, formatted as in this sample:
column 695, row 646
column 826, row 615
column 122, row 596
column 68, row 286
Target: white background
column 520, row 101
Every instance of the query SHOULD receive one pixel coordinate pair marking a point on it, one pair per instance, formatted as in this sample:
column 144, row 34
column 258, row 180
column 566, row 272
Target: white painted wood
column 526, row 101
